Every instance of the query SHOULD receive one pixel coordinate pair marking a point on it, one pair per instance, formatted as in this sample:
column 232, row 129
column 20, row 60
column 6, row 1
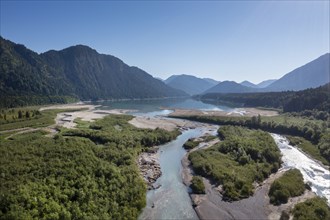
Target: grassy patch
column 208, row 138
column 291, row 184
column 82, row 124
column 39, row 119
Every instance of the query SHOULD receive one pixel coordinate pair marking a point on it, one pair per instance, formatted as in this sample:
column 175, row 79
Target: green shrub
column 197, row 185
column 190, row 144
column 315, row 208
column 289, row 185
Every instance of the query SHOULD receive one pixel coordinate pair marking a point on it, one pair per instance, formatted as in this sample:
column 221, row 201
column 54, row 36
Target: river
column 171, row 200
column 312, row 171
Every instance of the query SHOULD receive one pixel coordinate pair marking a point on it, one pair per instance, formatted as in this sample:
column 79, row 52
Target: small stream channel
column 171, row 200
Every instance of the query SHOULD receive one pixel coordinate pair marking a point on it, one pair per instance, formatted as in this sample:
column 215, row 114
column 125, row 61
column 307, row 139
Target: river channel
column 171, row 200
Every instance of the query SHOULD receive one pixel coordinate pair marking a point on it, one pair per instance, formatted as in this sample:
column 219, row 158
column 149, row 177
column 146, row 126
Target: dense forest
column 78, row 72
column 309, row 102
column 85, row 173
column 243, row 157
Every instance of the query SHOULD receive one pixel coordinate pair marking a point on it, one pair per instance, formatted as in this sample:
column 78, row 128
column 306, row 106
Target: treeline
column 314, row 131
column 309, row 130
column 10, row 101
column 242, row 158
column 90, row 175
column 13, row 115
column 310, row 102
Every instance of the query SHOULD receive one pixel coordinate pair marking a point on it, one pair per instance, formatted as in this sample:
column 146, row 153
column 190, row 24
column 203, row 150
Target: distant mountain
column 230, row 87
column 189, row 84
column 77, row 71
column 248, row 84
column 265, row 83
column 214, row 82
column 159, row 78
column 311, row 75
column 290, row 101
column 169, row 79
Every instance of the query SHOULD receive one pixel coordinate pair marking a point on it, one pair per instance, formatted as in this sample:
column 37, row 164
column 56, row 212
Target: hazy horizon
column 234, row 41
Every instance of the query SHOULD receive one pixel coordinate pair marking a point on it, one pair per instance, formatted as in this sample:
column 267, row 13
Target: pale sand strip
column 165, row 123
column 238, row 112
column 88, row 113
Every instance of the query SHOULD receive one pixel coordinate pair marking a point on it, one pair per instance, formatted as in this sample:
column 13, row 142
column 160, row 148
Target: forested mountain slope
column 77, row 71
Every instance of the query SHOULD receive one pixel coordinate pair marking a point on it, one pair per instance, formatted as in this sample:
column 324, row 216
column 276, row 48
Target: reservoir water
column 160, row 106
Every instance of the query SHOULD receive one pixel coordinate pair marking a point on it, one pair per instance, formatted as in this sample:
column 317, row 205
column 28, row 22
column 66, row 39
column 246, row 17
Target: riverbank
column 165, row 123
column 211, row 206
column 149, row 161
column 149, row 166
column 237, row 112
column 63, row 115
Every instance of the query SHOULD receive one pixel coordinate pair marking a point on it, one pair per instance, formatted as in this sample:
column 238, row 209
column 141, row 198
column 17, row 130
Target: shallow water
column 171, row 200
column 152, row 107
column 314, row 173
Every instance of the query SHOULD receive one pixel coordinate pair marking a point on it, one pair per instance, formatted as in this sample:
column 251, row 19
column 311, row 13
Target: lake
column 160, row 106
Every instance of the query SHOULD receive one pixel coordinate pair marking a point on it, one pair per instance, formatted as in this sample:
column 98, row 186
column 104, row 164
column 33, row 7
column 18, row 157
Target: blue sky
column 224, row 40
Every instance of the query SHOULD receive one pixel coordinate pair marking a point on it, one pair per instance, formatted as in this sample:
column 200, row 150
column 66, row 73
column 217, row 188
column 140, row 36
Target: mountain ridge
column 310, row 75
column 229, row 87
column 77, row 71
column 190, row 84
column 248, row 84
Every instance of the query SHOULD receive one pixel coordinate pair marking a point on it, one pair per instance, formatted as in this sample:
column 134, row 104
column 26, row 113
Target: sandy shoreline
column 165, row 123
column 87, row 113
column 238, row 112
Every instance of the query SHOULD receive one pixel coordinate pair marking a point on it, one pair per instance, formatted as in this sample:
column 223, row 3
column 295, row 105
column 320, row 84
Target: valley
column 149, row 151
column 85, row 122
column 157, row 110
